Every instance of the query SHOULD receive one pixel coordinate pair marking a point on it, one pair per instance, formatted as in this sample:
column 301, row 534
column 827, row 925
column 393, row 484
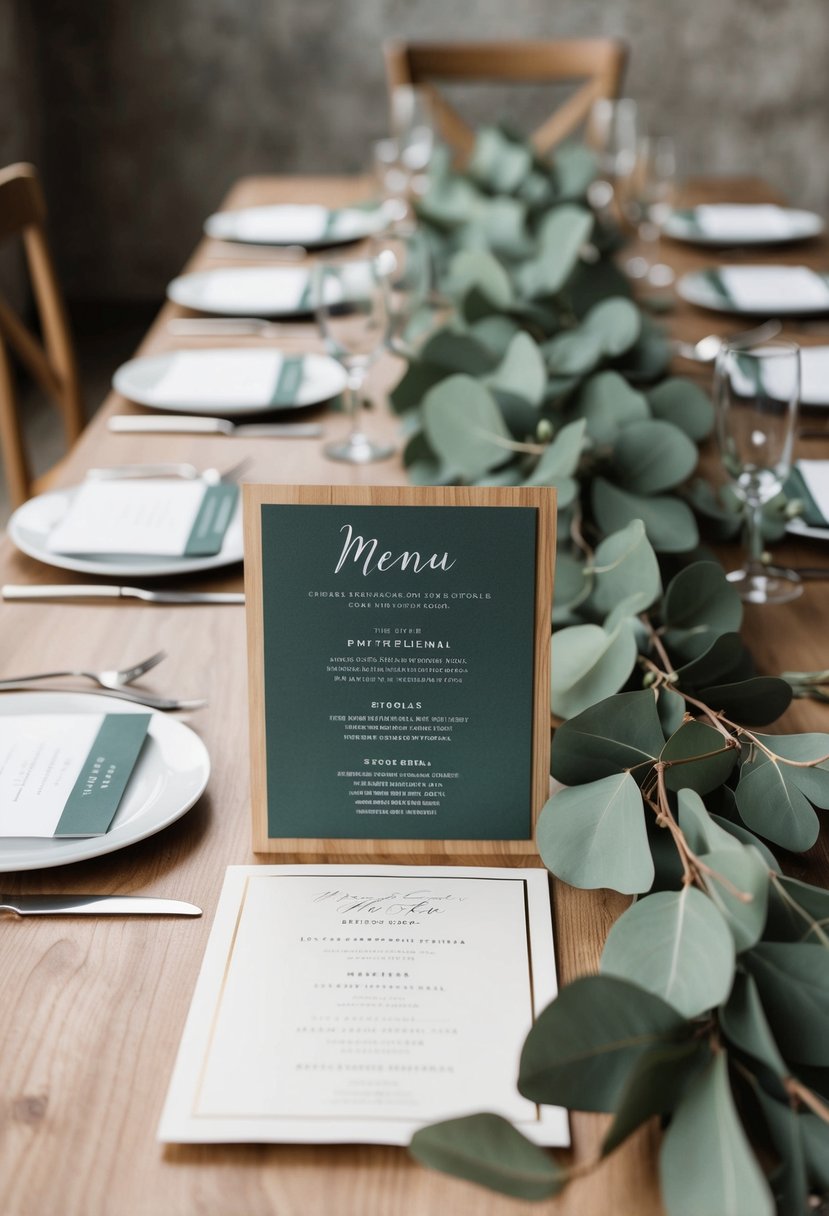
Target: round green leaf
column 495, row 333
column 684, row 404
column 588, row 664
column 563, row 232
column 706, row 773
column 677, row 945
column 669, row 522
column 560, row 458
column 725, row 658
column 793, row 981
column 609, row 404
column 574, row 169
column 616, row 323
column 521, row 371
column 499, row 162
column 706, row 1164
column 736, row 873
column 655, row 1086
column 488, row 1150
column 572, row 353
column 464, row 425
column 699, row 605
column 473, row 268
column 581, row 1049
column 744, row 1022
column 703, row 834
column 594, row 836
column 454, row 351
column 753, row 702
column 652, row 456
column 625, row 565
column 621, row 732
column 771, row 803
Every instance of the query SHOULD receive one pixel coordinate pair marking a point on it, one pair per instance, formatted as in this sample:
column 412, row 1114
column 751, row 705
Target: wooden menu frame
column 510, row 852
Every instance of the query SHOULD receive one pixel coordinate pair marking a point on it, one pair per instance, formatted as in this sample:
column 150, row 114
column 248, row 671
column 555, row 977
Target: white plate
column 798, row 528
column 170, row 776
column 248, row 291
column 697, row 288
column 238, row 380
column 30, row 525
column 308, row 224
column 791, row 225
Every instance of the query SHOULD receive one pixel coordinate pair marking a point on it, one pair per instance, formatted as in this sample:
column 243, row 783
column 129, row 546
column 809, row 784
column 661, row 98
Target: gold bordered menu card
column 354, row 1004
column 398, row 644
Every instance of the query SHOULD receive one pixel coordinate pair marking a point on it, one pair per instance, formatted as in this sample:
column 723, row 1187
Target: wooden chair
column 49, row 359
column 599, row 63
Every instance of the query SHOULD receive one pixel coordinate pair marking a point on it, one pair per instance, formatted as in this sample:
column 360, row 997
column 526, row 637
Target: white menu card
column 355, row 1004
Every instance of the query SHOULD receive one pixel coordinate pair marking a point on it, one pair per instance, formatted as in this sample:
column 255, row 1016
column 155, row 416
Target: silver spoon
column 707, row 349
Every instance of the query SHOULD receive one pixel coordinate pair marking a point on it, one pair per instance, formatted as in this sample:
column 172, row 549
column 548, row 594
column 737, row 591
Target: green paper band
column 288, row 381
column 95, row 797
column 213, row 519
column 796, row 487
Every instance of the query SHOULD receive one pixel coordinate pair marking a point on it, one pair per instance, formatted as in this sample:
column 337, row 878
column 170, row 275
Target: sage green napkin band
column 714, row 279
column 796, row 487
column 288, row 381
column 91, row 806
column 212, row 521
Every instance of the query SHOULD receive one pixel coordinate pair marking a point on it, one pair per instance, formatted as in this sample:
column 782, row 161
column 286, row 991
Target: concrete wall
column 150, row 108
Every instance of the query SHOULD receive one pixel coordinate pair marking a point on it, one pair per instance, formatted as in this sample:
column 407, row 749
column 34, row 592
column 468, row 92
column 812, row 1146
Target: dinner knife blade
column 103, row 591
column 196, row 424
column 95, row 905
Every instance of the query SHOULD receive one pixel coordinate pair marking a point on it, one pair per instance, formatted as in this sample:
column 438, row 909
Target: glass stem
column 754, row 543
column 354, row 384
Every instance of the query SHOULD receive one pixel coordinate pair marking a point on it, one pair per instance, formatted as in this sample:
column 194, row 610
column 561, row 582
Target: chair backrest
column 598, row 63
column 50, row 358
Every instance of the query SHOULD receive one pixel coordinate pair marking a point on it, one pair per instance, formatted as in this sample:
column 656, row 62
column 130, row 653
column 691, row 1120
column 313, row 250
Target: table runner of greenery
column 711, row 1008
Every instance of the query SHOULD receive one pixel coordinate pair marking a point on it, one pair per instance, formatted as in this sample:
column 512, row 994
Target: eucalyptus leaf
column 616, row 323
column 798, row 911
column 495, row 333
column 684, row 404
column 618, row 733
column 815, row 1133
column 744, row 1023
column 712, row 768
column 671, row 709
column 753, row 702
column 477, row 269
column 464, row 426
column 789, row 1181
column 703, row 833
column 588, row 663
column 499, row 162
column 571, row 584
column 455, row 351
column 739, row 886
column 651, row 456
column 772, row 803
column 521, row 371
column 747, row 837
column 655, row 1086
column 486, row 1149
column 504, row 222
column 793, row 981
column 582, row 1048
column 724, row 659
column 418, row 378
column 609, row 404
column 560, row 458
column 563, row 232
column 669, row 523
column 677, row 945
column 706, row 1164
column 572, row 353
column 699, row 605
column 594, row 836
column 574, row 169
column 625, row 565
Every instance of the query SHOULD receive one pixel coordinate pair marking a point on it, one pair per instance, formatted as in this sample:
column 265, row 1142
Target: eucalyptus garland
column 711, row 1009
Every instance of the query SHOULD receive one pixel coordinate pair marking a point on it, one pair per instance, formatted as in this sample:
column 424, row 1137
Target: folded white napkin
column 739, row 221
column 218, row 378
column 768, row 288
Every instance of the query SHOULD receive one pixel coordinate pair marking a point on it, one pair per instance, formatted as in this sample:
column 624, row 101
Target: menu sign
column 398, row 662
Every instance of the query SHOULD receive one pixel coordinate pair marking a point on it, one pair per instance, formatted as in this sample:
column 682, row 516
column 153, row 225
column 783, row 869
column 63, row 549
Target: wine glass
column 647, row 197
column 613, row 130
column 756, row 395
column 350, row 305
column 413, row 128
column 406, row 273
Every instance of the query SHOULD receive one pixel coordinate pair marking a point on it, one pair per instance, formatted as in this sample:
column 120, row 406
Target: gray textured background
column 141, row 113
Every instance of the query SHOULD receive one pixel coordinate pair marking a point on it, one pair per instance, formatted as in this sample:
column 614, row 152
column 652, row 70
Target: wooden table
column 92, row 1011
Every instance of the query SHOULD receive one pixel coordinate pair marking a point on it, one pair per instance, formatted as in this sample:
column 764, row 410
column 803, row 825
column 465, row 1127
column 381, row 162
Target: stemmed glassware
column 405, row 262
column 756, row 395
column 413, row 128
column 350, row 304
column 647, row 195
column 613, row 130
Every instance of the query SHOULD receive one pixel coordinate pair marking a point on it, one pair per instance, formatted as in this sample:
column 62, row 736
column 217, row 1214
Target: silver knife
column 95, row 591
column 195, row 424
column 95, row 905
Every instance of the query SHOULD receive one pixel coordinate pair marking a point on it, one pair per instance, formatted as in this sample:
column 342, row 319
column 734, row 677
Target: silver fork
column 186, row 472
column 114, row 679
column 124, row 694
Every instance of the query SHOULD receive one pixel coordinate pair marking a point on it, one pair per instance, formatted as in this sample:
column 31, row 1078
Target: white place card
column 65, row 774
column 354, row 1004
column 743, row 222
column 767, row 288
column 164, row 517
column 213, row 378
column 257, row 291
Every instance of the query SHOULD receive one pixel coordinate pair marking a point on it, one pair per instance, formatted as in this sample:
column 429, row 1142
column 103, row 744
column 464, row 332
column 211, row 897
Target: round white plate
column 238, row 380
column 247, row 291
column 798, row 528
column 30, row 525
column 696, row 288
column 170, row 776
column 307, row 224
column 794, row 226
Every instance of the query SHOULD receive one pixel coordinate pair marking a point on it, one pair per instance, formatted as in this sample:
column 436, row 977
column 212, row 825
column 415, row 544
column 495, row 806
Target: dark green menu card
column 399, row 669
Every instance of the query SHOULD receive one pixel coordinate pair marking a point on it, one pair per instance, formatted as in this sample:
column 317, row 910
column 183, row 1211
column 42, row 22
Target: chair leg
column 15, row 464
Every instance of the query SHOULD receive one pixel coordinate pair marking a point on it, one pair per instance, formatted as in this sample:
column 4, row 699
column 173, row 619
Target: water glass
column 647, row 196
column 350, row 305
column 756, row 395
